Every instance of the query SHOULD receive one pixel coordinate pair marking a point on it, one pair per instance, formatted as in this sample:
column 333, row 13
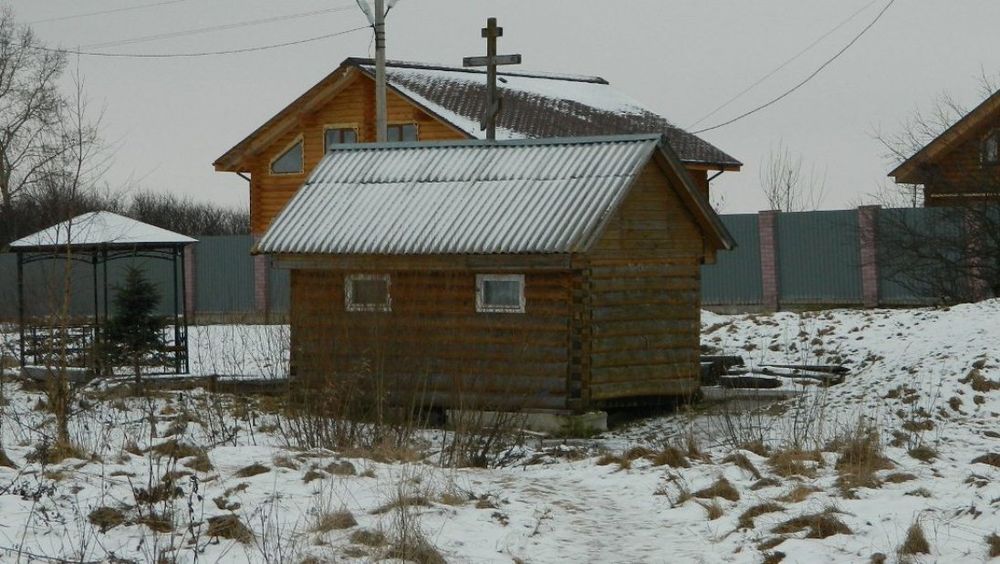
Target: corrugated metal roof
column 469, row 197
column 101, row 229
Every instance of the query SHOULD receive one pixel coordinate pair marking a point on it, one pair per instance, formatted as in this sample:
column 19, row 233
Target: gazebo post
column 180, row 251
column 20, row 305
column 177, row 329
column 104, row 258
column 97, row 311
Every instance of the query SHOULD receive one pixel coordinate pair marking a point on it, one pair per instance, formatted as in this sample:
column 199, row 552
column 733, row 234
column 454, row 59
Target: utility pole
column 491, row 32
column 380, row 108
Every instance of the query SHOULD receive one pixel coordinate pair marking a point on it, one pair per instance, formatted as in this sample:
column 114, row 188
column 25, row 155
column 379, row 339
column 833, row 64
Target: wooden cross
column 491, row 32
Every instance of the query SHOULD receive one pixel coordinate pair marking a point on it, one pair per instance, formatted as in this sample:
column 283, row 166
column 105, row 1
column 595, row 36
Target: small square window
column 367, row 292
column 339, row 136
column 401, row 132
column 500, row 293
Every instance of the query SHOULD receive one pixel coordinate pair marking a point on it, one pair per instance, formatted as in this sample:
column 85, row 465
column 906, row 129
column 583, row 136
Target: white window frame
column 485, row 308
column 349, row 304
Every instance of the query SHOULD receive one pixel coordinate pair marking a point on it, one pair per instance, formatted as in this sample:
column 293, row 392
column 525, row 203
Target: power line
column 201, row 53
column 783, row 65
column 223, row 27
column 103, row 12
column 808, row 78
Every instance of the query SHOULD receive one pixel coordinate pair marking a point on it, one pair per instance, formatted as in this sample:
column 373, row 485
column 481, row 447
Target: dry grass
column 713, row 509
column 229, row 527
column 333, row 520
column 199, row 463
column 106, row 518
column 285, row 461
column 793, row 462
column 742, row 462
column 342, row 468
column 402, row 502
column 820, row 525
column 313, row 474
column 157, row 522
column 993, row 545
column 992, row 458
column 773, row 557
column 721, row 488
column 923, row 453
column 670, row 456
column 900, row 477
column 860, row 457
column 175, row 449
column 765, row 483
column 798, row 494
column 368, row 537
column 915, row 542
column 747, row 517
column 254, row 469
column 416, row 549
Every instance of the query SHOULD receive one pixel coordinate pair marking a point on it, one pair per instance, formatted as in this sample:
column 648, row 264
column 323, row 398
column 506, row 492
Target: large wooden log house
column 961, row 166
column 435, row 103
column 557, row 274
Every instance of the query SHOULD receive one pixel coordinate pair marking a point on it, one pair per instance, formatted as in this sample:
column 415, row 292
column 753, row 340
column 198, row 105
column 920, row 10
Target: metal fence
column 818, row 263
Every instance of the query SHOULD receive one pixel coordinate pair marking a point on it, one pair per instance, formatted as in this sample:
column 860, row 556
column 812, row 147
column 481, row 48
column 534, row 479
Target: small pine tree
column 133, row 332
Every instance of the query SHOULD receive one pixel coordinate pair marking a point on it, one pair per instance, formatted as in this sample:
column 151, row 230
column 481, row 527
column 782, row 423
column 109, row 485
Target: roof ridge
column 363, row 61
column 619, row 138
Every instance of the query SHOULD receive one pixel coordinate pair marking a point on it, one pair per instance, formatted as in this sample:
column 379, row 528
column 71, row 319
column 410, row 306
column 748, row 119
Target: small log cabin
column 962, row 165
column 434, row 103
column 553, row 274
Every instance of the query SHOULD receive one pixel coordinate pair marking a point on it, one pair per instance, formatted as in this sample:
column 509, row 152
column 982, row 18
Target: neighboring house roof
column 100, row 230
column 911, row 171
column 471, row 197
column 535, row 105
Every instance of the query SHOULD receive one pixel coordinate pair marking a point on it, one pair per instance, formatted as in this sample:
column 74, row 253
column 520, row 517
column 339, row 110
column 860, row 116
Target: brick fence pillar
column 767, row 227
column 868, row 239
column 261, row 272
column 190, row 281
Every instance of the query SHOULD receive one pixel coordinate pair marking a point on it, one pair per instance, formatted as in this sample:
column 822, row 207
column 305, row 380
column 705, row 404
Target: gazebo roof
column 100, row 230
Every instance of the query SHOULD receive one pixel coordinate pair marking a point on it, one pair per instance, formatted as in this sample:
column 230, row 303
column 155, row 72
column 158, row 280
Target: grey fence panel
column 224, row 270
column 819, row 257
column 279, row 289
column 735, row 278
column 899, row 283
column 45, row 290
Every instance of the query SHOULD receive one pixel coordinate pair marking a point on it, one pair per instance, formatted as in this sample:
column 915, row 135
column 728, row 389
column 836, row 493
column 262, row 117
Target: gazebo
column 98, row 238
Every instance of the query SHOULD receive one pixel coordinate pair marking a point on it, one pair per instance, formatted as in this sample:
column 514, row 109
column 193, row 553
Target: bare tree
column 31, row 107
column 787, row 187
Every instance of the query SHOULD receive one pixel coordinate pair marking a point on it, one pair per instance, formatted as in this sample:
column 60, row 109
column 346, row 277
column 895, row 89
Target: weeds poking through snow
column 798, row 494
column 106, row 518
column 368, row 537
column 820, row 525
column 713, row 509
column 793, row 462
column 670, row 456
column 720, row 488
column 325, row 522
column 742, row 462
column 229, row 527
column 254, row 469
column 747, row 517
column 993, row 545
column 916, row 542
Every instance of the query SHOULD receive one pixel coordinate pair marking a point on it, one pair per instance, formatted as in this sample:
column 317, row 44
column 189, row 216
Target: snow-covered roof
column 535, row 106
column 101, row 229
column 464, row 197
column 538, row 105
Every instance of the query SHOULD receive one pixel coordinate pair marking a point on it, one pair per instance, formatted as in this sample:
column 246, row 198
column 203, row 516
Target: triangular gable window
column 289, row 162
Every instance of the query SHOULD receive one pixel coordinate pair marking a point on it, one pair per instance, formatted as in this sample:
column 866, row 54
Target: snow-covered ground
column 927, row 380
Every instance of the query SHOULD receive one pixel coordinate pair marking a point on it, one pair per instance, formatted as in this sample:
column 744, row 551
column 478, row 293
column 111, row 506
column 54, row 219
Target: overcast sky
column 168, row 119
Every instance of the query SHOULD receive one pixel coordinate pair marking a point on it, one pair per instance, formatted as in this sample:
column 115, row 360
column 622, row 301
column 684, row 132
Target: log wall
column 960, row 171
column 354, row 106
column 433, row 343
column 643, row 286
